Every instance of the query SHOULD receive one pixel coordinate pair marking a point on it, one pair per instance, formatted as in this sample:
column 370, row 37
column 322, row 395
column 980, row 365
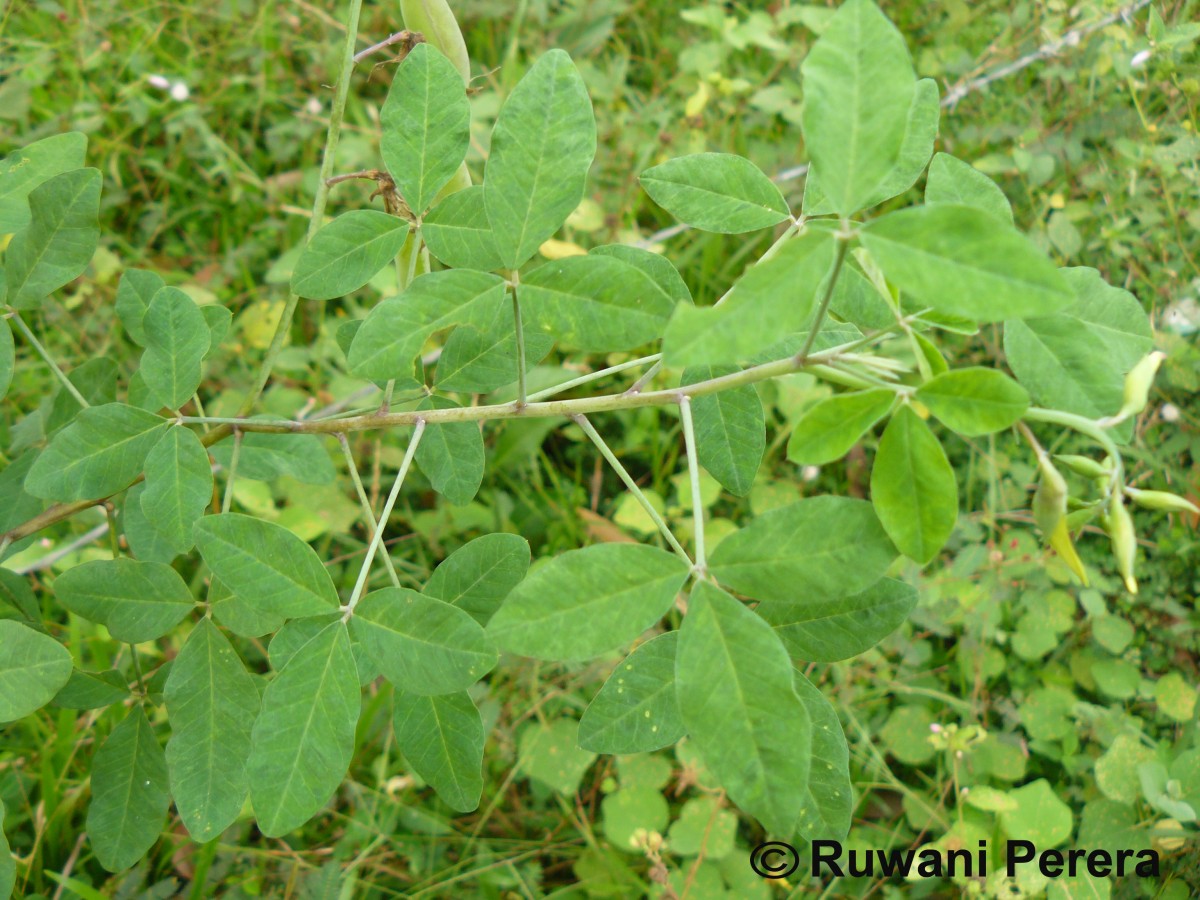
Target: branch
column 818, row 364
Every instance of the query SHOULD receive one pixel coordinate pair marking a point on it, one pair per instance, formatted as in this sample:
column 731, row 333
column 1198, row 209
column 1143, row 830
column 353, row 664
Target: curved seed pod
column 435, row 20
column 1050, row 513
column 1161, row 500
column 1138, row 383
column 1124, row 541
column 1084, row 465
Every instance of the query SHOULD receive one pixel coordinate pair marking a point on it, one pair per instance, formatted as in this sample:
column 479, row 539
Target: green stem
column 632, row 486
column 227, row 500
column 593, row 376
column 839, row 257
column 336, row 112
column 412, row 257
column 377, row 537
column 137, row 669
column 41, row 351
column 522, row 399
column 366, row 504
column 689, row 442
column 1086, row 427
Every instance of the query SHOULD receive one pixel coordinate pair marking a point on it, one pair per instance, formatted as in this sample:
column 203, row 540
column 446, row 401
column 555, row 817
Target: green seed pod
column 1124, row 541
column 1050, row 498
column 1050, row 513
column 1161, row 500
column 435, row 20
column 1138, row 383
column 1083, row 465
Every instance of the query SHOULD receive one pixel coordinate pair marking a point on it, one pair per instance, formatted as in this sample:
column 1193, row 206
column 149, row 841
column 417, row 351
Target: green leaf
column 145, row 541
column 134, row 293
column 480, row 358
column 33, row 668
column 393, row 334
column 636, row 711
column 8, row 358
column 586, row 602
column 98, row 454
column 480, row 574
column 458, row 232
column 913, row 487
column 1076, row 361
column 8, row 865
column 451, row 455
column 426, row 125
column 731, row 430
column 27, row 168
column 594, row 303
column 655, row 266
column 1040, row 816
column 827, row 546
column 421, row 644
column 130, row 795
column 735, row 687
column 58, row 243
column 920, row 133
column 17, row 505
column 830, row 801
column 241, row 616
column 828, row 431
column 92, row 690
column 542, row 147
column 176, row 341
column 16, row 593
column 820, row 629
column 953, row 181
column 265, row 457
column 773, row 298
column 347, row 253
column 136, row 601
column 266, row 565
column 442, row 739
column 294, row 634
column 858, row 92
column 212, row 702
column 179, row 486
column 549, row 754
column 962, row 261
column 975, row 400
column 717, row 192
column 304, row 737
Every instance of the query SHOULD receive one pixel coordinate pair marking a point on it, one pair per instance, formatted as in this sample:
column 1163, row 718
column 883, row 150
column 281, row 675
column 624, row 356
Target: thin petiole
column 377, row 537
column 42, row 352
column 227, row 501
column 632, row 486
column 689, row 440
column 366, row 503
column 594, row 376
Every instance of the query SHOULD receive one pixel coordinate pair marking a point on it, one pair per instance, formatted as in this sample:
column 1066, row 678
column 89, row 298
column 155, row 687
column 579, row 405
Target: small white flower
column 179, row 91
column 313, row 106
column 1139, row 59
column 1170, row 412
column 935, row 727
column 810, row 473
column 158, row 81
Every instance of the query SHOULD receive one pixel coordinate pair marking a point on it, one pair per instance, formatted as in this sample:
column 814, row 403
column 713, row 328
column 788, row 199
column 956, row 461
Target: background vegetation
column 1044, row 699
